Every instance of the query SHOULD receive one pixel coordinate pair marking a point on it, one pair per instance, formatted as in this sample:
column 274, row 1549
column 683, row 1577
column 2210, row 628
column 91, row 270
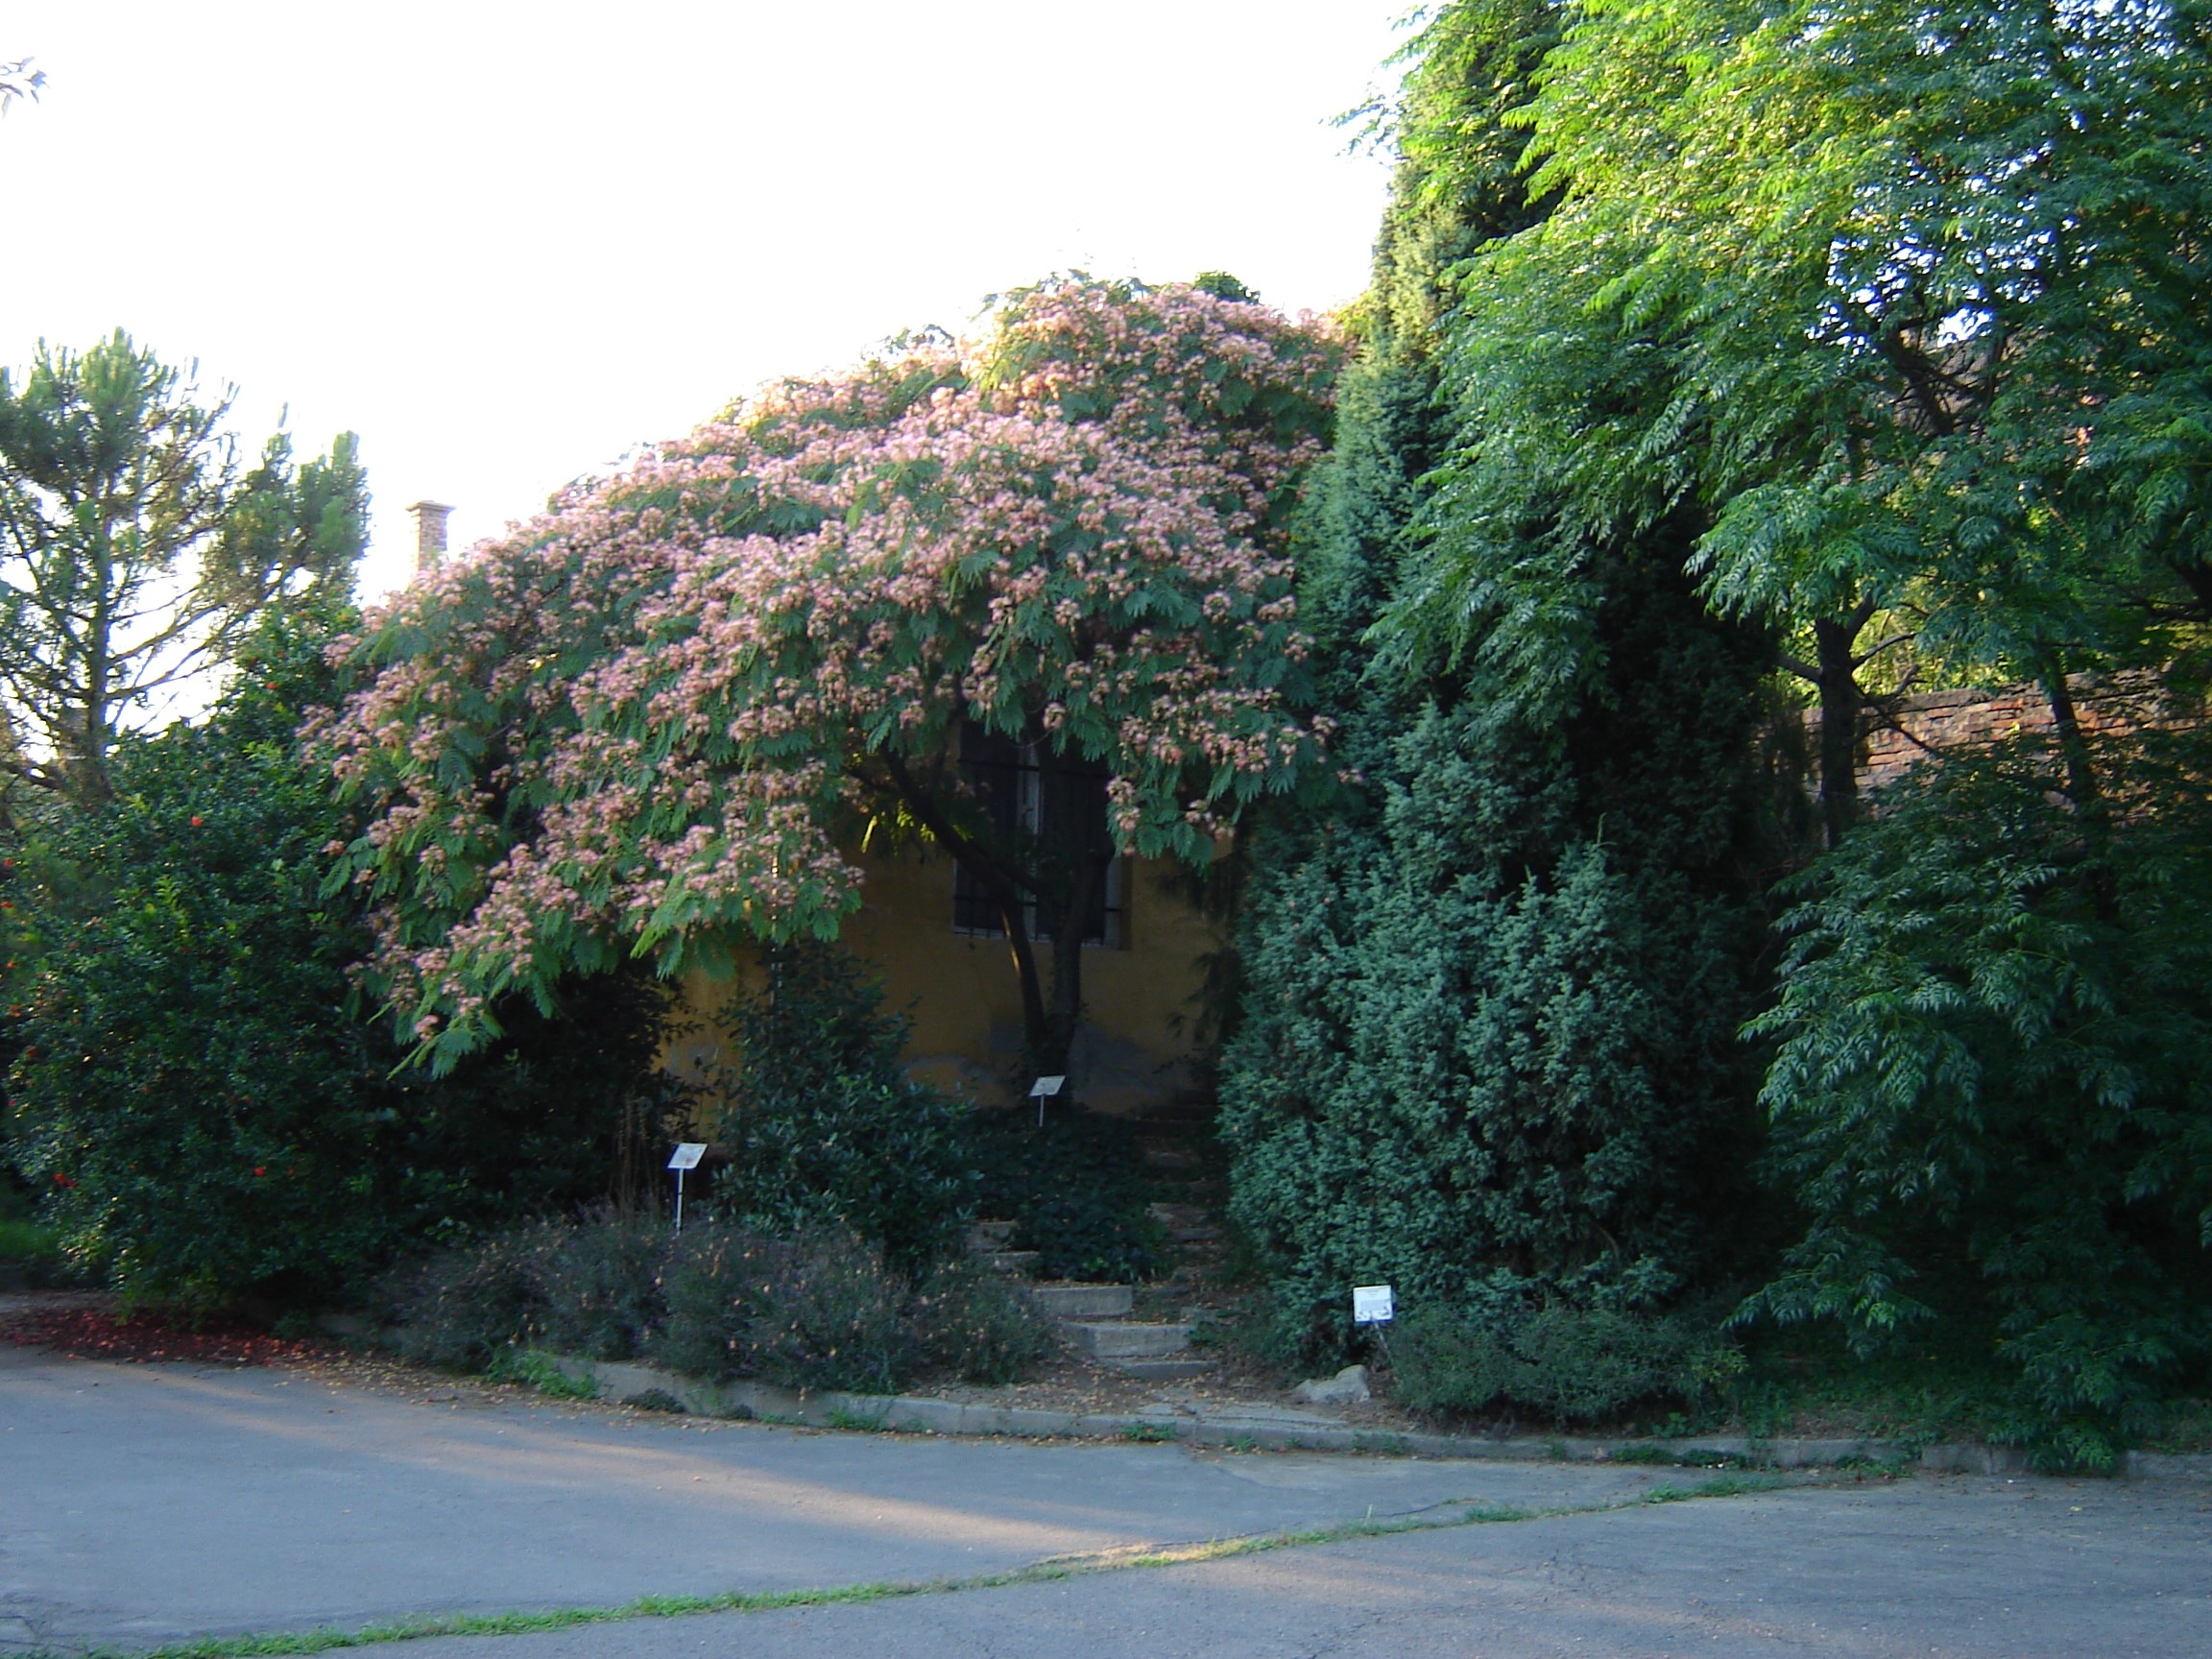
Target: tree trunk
column 1066, row 1007
column 1006, row 897
column 2083, row 787
column 1840, row 703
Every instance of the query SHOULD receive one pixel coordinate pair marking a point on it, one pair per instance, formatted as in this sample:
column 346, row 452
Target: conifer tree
column 1489, row 1051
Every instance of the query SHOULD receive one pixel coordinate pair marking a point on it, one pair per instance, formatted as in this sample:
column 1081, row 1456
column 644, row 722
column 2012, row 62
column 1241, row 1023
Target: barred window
column 1049, row 816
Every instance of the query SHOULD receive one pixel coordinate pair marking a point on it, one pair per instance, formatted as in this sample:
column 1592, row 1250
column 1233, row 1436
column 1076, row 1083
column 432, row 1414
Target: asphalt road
column 144, row 1504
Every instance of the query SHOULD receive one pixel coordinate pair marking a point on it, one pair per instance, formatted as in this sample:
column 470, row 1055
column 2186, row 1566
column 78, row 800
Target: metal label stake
column 1374, row 1305
column 1039, row 1090
column 686, row 1157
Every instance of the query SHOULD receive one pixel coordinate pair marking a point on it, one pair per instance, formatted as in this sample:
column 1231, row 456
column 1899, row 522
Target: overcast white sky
column 507, row 242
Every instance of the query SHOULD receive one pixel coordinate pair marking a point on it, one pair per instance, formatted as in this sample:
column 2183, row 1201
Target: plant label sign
column 1371, row 1305
column 1044, row 1085
column 687, row 1155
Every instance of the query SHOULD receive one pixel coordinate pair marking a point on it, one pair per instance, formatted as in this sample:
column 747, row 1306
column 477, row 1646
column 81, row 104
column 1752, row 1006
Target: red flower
column 196, row 820
column 259, row 1170
column 61, row 1180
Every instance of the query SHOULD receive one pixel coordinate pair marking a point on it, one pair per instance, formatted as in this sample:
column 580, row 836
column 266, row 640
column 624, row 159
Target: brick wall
column 1939, row 720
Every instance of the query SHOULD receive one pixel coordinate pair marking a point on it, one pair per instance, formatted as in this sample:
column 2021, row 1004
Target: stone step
column 1068, row 1301
column 1170, row 1158
column 1019, row 1264
column 1160, row 1370
column 983, row 1235
column 1114, row 1339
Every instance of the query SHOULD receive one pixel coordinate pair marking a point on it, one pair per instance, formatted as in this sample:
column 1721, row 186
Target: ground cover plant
column 1075, row 1189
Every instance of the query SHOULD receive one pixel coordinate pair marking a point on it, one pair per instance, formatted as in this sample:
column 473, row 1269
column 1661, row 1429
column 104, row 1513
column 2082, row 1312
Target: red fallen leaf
column 87, row 1333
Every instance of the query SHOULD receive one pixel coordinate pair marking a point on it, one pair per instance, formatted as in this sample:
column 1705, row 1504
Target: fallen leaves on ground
column 136, row 1338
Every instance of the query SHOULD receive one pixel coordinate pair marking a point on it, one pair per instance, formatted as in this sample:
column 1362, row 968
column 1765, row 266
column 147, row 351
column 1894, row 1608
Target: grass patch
column 1719, row 1486
column 1149, row 1433
column 857, row 1421
column 1052, row 1570
column 538, row 1371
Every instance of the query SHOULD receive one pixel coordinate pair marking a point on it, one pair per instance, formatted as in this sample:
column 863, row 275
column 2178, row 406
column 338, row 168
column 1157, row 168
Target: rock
column 1348, row 1387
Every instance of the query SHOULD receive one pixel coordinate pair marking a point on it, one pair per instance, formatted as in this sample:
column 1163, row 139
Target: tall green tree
column 1900, row 307
column 1903, row 301
column 1488, row 1051
column 137, row 551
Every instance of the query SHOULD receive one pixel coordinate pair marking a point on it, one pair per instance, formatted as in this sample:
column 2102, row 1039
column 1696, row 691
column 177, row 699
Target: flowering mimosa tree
column 662, row 716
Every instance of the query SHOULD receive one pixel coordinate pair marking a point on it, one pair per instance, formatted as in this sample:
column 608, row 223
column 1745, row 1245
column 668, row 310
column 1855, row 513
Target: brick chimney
column 429, row 534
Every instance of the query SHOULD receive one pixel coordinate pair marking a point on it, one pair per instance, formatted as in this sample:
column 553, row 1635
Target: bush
column 599, row 1288
column 970, row 1321
column 1567, row 1365
column 593, row 1290
column 819, row 1310
column 210, row 1115
column 1993, row 1090
column 824, row 1128
column 462, row 1307
column 1077, row 1192
column 1493, row 989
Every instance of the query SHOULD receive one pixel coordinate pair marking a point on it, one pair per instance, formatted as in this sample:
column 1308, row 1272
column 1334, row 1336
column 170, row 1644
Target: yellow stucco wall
column 961, row 994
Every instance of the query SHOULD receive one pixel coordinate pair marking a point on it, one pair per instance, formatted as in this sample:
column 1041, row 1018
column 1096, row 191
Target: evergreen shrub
column 1563, row 1363
column 822, row 1125
column 816, row 1311
column 212, row 1116
column 1490, row 1043
column 459, row 1309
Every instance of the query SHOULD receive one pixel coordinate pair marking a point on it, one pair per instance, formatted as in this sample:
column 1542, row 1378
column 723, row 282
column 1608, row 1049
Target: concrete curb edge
column 631, row 1382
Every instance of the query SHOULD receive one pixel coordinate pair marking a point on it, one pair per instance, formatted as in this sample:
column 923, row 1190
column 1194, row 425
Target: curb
column 633, row 1384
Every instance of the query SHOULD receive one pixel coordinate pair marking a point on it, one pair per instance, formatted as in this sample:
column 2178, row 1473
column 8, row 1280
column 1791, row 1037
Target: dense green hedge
column 209, row 1112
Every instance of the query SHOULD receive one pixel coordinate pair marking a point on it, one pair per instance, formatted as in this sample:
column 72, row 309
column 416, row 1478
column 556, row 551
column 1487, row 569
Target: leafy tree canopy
column 1905, row 300
column 658, row 716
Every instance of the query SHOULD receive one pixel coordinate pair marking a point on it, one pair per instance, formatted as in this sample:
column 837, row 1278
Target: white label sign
column 1371, row 1305
column 687, row 1155
column 1044, row 1085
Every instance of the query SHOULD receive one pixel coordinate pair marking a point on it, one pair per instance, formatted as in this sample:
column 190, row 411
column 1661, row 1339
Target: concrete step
column 1019, row 1264
column 1114, row 1339
column 985, row 1236
column 1160, row 1370
column 1068, row 1301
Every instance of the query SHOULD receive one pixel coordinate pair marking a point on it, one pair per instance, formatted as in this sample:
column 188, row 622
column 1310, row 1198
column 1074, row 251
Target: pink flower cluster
column 663, row 708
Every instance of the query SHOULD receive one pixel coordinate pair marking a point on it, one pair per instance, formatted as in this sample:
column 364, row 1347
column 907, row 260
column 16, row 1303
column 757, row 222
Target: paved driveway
column 142, row 1505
